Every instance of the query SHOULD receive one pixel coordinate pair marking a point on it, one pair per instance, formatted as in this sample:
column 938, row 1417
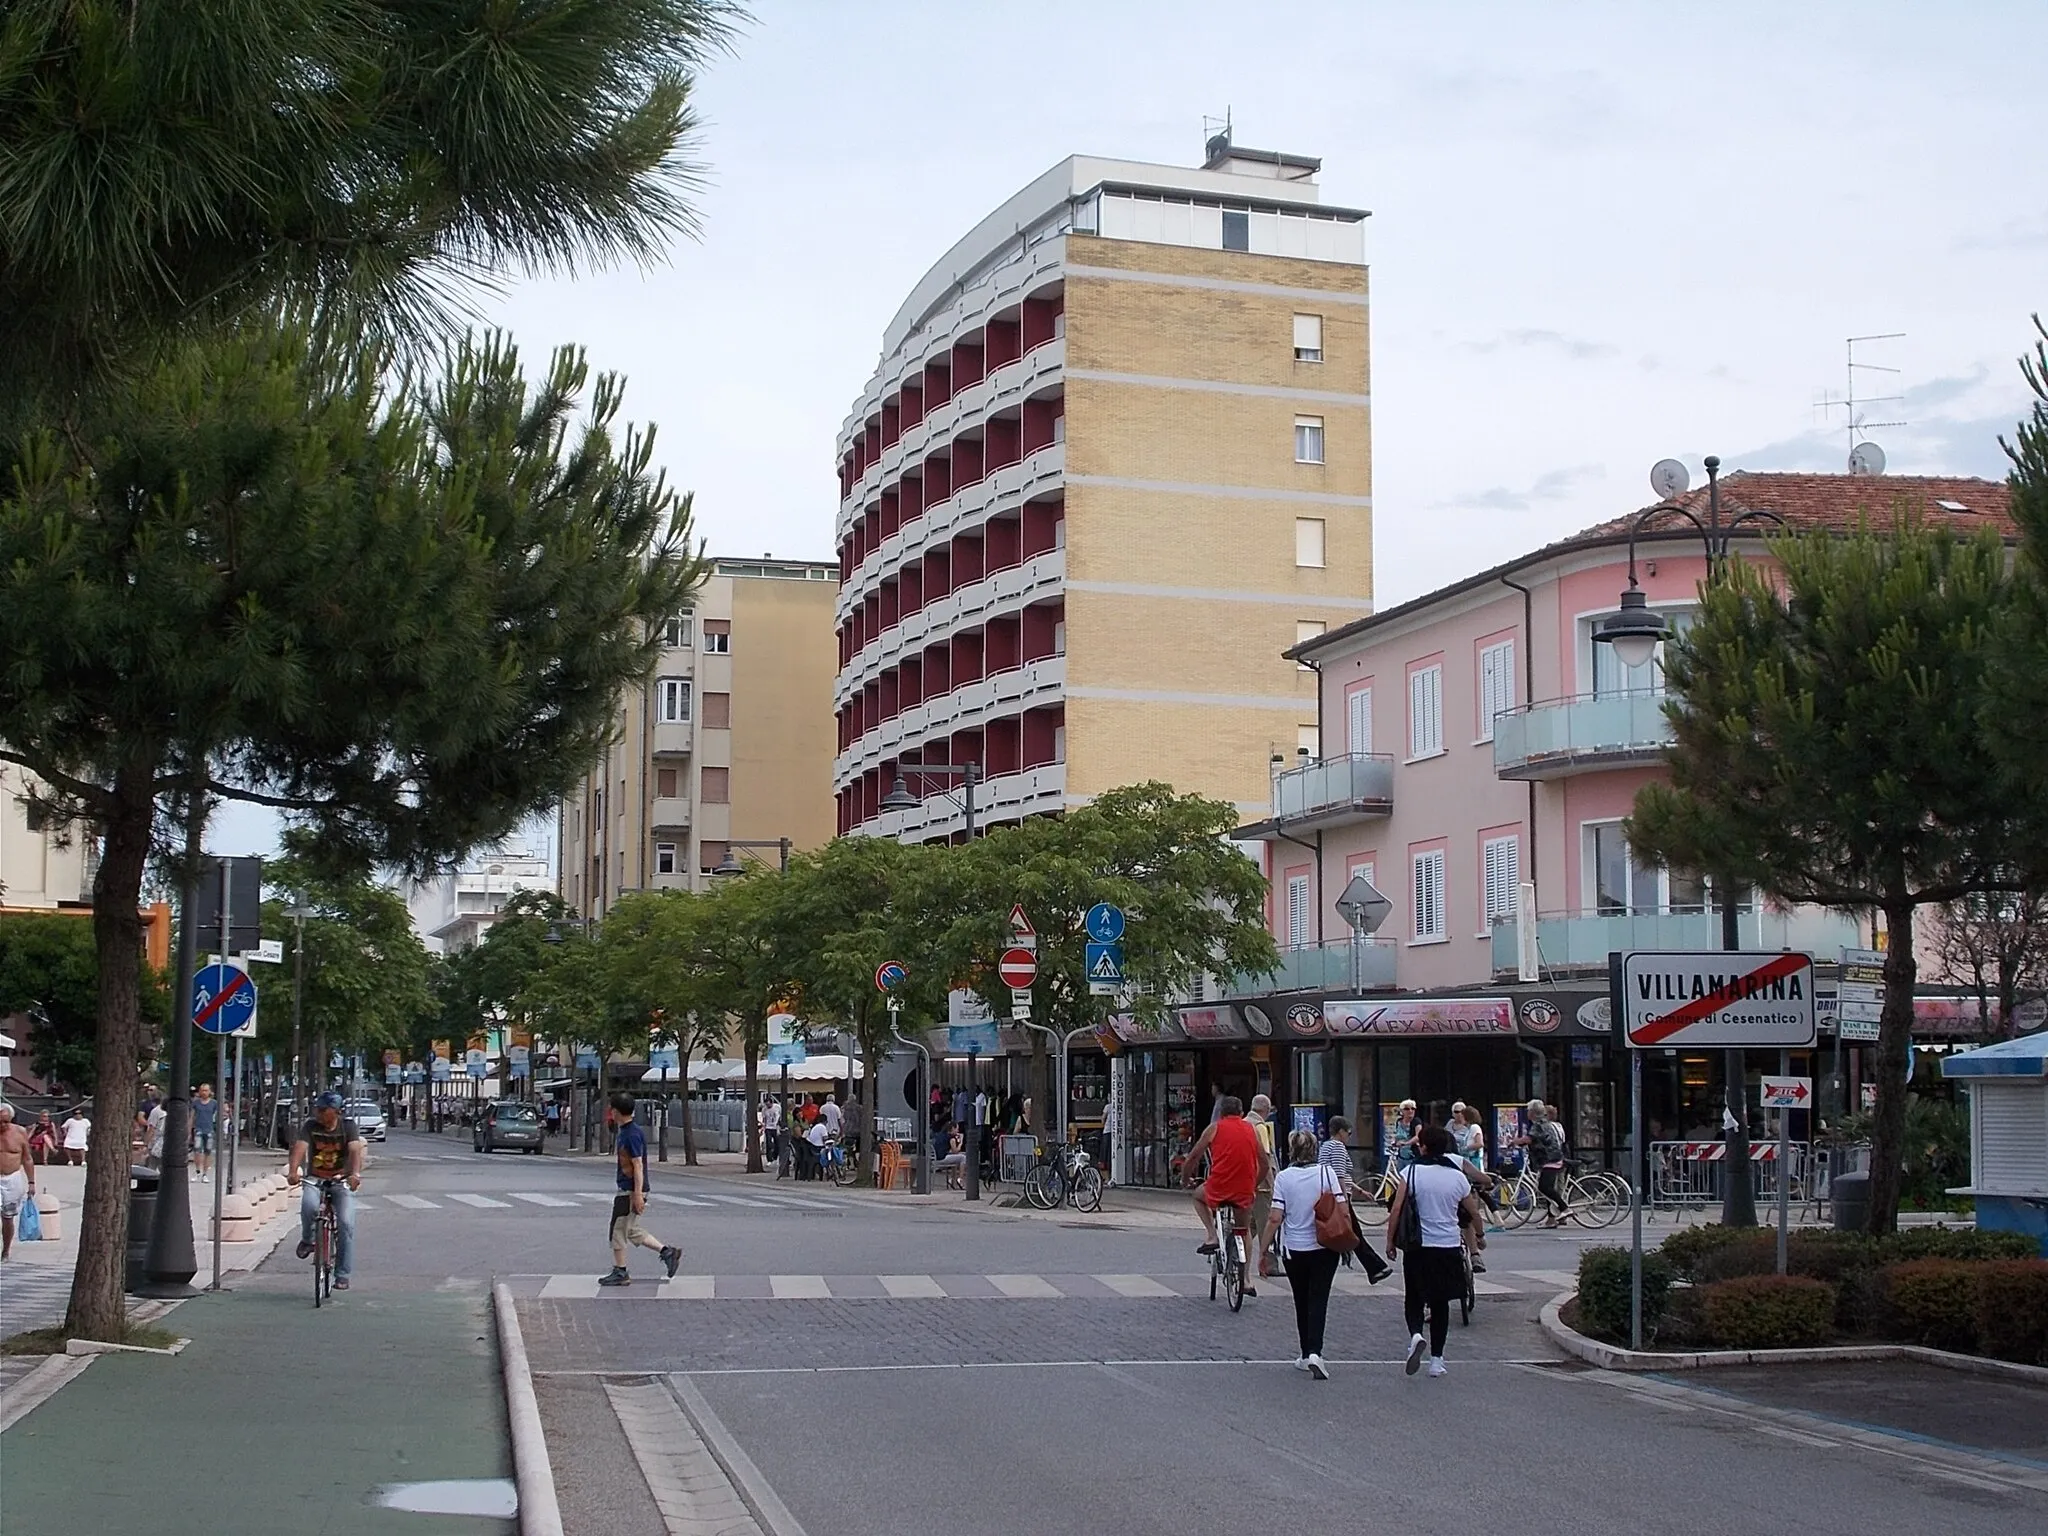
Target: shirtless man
column 17, row 1176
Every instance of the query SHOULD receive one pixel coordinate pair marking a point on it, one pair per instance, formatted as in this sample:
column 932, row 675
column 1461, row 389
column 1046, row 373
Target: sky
column 1601, row 235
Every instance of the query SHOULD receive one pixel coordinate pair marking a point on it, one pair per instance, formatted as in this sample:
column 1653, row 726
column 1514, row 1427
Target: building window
column 1497, row 684
column 675, row 634
column 1623, row 887
column 672, row 700
column 1297, row 911
column 664, row 858
column 716, row 787
column 1306, row 630
column 1308, row 338
column 1358, row 721
column 666, row 783
column 1610, row 677
column 717, row 711
column 1308, row 741
column 1308, row 439
column 1308, row 543
column 717, row 637
column 1429, row 896
column 1237, row 229
column 1059, row 743
column 1500, row 864
column 709, row 857
column 1425, row 711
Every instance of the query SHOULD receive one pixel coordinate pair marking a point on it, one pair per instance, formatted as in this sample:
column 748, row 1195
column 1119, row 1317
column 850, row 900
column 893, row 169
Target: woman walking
column 1310, row 1266
column 1335, row 1155
column 1432, row 1265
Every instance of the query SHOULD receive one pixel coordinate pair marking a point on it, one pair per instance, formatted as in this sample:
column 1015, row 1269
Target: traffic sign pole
column 1784, row 1167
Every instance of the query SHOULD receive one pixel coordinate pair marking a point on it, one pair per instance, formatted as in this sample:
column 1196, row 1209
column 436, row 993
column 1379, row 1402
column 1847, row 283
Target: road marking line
column 759, row 1205
column 412, row 1203
column 1025, row 1287
column 702, row 1205
column 688, row 1288
column 799, row 1288
column 1134, row 1285
column 909, row 1286
column 798, row 1202
column 565, row 1286
column 535, row 1199
column 482, row 1202
column 1792, row 1434
column 1564, row 1280
column 1488, row 1288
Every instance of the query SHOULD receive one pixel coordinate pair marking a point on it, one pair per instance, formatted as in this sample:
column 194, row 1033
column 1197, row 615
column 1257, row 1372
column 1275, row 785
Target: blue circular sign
column 223, row 1000
column 889, row 975
column 1105, row 924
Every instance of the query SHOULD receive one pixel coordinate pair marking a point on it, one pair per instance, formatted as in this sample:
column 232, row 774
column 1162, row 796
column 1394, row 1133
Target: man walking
column 17, row 1176
column 630, row 1147
column 205, row 1118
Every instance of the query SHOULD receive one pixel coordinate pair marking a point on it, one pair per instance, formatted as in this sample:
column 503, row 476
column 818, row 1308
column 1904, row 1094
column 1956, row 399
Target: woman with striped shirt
column 1335, row 1155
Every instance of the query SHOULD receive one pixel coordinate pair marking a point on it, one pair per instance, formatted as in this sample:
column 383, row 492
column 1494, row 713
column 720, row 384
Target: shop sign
column 1540, row 1015
column 1859, row 1029
column 1255, row 1020
column 1951, row 1015
column 1132, row 1030
column 1491, row 1016
column 1597, row 1014
column 1305, row 1019
column 1208, row 1023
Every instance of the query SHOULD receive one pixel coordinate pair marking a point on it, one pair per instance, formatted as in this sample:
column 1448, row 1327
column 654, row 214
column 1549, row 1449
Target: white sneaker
column 1416, row 1346
column 1301, row 1364
column 1317, row 1369
column 1436, row 1365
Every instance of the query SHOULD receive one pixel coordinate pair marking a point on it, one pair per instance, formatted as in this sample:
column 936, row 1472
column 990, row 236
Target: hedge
column 2012, row 1309
column 1604, row 1292
column 1769, row 1312
column 1934, row 1302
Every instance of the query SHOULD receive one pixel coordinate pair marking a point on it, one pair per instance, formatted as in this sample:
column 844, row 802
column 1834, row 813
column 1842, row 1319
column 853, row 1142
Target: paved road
column 830, row 1362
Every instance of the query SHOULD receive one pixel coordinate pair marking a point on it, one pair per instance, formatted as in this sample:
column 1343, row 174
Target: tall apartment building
column 731, row 741
column 41, row 866
column 1115, row 458
column 452, row 911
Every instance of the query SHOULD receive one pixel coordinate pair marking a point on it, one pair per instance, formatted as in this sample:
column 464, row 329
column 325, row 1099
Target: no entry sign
column 1717, row 998
column 1018, row 968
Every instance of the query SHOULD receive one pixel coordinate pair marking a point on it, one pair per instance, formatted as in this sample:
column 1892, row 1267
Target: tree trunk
column 870, row 1121
column 1894, row 1047
column 689, row 1124
column 97, row 1310
column 2008, row 994
column 753, row 1116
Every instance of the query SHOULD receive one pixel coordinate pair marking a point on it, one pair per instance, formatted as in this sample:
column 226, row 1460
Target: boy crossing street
column 631, row 1202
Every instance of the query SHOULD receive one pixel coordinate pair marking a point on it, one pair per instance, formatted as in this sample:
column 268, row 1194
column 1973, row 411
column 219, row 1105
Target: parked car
column 509, row 1123
column 368, row 1115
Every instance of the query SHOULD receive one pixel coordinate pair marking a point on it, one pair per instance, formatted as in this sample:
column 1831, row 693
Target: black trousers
column 1309, row 1273
column 1432, row 1279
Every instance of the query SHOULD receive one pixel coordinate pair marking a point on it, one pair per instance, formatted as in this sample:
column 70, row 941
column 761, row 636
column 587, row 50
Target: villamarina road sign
column 1717, row 998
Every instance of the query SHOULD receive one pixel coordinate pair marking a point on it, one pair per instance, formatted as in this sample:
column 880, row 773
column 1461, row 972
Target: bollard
column 237, row 1224
column 53, row 1224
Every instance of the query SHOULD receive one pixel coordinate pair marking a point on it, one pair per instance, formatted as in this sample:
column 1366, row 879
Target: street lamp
column 729, row 865
column 1635, row 632
column 900, row 798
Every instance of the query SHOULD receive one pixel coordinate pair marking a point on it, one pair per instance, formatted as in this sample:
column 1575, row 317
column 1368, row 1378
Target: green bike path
column 274, row 1418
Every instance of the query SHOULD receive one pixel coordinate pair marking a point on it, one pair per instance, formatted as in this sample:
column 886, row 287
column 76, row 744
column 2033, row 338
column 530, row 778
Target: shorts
column 13, row 1193
column 625, row 1225
column 1216, row 1200
column 202, row 1141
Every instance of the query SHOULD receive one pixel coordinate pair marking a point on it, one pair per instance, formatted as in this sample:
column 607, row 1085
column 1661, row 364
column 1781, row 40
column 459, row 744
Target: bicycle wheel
column 322, row 1285
column 1592, row 1203
column 1517, row 1202
column 1039, row 1186
column 842, row 1170
column 1215, row 1273
column 1233, row 1284
column 1086, row 1189
column 1470, row 1296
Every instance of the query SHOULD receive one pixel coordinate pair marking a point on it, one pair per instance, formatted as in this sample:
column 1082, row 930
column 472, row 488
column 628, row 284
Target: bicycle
column 1227, row 1264
column 834, row 1164
column 326, row 1240
column 1469, row 1297
column 1067, row 1176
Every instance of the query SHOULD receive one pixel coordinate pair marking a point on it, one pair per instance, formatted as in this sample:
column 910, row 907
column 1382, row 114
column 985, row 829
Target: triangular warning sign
column 1019, row 923
column 1106, row 969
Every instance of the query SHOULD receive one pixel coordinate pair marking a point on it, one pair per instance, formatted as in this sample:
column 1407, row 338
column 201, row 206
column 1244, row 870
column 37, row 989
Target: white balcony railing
column 1335, row 790
column 1041, row 576
column 1332, row 967
column 1005, row 797
column 1557, row 738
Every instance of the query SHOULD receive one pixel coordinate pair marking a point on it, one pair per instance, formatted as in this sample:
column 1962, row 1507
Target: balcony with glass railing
column 1323, row 968
column 1334, row 791
column 1582, row 941
column 1556, row 738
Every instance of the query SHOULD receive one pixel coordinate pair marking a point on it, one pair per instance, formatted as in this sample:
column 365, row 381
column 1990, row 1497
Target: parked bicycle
column 1064, row 1176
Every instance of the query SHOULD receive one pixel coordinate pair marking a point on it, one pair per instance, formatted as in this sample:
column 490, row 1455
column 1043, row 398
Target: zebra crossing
column 1053, row 1287
column 583, row 1199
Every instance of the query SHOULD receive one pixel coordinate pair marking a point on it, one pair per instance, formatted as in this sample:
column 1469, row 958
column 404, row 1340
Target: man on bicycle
column 329, row 1151
column 1238, row 1165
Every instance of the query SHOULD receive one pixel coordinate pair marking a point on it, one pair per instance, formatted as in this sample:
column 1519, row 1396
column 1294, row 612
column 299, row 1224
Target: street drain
column 488, row 1498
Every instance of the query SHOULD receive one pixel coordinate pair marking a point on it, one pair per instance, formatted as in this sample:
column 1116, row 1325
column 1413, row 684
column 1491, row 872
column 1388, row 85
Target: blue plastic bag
column 31, row 1221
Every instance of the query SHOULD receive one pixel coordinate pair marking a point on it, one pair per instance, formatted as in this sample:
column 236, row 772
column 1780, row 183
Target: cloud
column 1948, row 445
column 2028, row 232
column 1576, row 348
column 1552, row 485
column 1921, row 398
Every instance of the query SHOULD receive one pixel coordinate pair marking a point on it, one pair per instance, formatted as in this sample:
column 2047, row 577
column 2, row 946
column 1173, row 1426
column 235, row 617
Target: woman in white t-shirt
column 1310, row 1266
column 1434, row 1272
column 77, row 1135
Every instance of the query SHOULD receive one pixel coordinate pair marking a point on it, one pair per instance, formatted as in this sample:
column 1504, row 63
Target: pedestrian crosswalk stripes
column 582, row 1199
column 538, row 1199
column 1118, row 1287
column 411, row 1202
column 482, row 1202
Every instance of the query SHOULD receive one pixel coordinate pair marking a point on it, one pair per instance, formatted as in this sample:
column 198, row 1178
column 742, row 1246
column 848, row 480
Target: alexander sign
column 1718, row 998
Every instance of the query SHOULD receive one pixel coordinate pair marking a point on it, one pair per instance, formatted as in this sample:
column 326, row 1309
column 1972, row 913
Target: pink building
column 1476, row 739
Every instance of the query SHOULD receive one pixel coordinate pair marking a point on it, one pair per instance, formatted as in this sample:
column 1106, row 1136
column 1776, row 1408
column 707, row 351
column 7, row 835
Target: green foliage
column 1934, row 1302
column 1769, row 1312
column 363, row 159
column 1604, row 1286
column 1827, row 749
column 2012, row 1310
column 49, row 967
column 2015, row 715
column 1689, row 1249
column 1960, row 1243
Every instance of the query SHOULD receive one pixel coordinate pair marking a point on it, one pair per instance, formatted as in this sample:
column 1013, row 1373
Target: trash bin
column 1850, row 1195
column 142, row 1187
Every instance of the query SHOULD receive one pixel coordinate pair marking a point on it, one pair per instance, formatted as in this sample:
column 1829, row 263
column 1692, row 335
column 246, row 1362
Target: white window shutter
column 1429, row 895
column 1297, row 911
column 1358, row 722
column 1308, row 337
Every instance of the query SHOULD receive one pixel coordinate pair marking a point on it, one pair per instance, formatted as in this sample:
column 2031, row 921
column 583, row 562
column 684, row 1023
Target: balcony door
column 1623, row 886
column 1611, row 679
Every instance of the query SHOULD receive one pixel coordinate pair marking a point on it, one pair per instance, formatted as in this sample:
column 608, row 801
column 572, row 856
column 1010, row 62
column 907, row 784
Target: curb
column 1612, row 1357
column 539, row 1512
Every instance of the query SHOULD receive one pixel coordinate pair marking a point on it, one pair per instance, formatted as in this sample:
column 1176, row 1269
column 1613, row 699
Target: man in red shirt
column 1238, row 1164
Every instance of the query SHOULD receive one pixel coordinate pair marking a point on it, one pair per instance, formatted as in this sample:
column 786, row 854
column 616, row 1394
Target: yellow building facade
column 1117, row 457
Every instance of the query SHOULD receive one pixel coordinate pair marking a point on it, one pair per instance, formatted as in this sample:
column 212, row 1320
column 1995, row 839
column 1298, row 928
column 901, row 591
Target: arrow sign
column 1787, row 1092
column 223, row 1000
column 1018, row 968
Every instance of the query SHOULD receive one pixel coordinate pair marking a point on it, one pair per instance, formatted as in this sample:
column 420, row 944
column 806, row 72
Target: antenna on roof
column 1215, row 137
column 1865, row 458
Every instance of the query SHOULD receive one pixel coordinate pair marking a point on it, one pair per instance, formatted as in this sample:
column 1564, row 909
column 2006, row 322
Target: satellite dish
column 1866, row 459
column 1669, row 478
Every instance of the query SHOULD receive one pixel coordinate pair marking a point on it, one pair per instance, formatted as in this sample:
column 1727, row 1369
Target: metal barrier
column 1017, row 1155
column 896, row 1128
column 1695, row 1173
column 720, row 1124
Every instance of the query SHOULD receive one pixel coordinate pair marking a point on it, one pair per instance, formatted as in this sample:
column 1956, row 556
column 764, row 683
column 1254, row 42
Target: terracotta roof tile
column 1840, row 502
